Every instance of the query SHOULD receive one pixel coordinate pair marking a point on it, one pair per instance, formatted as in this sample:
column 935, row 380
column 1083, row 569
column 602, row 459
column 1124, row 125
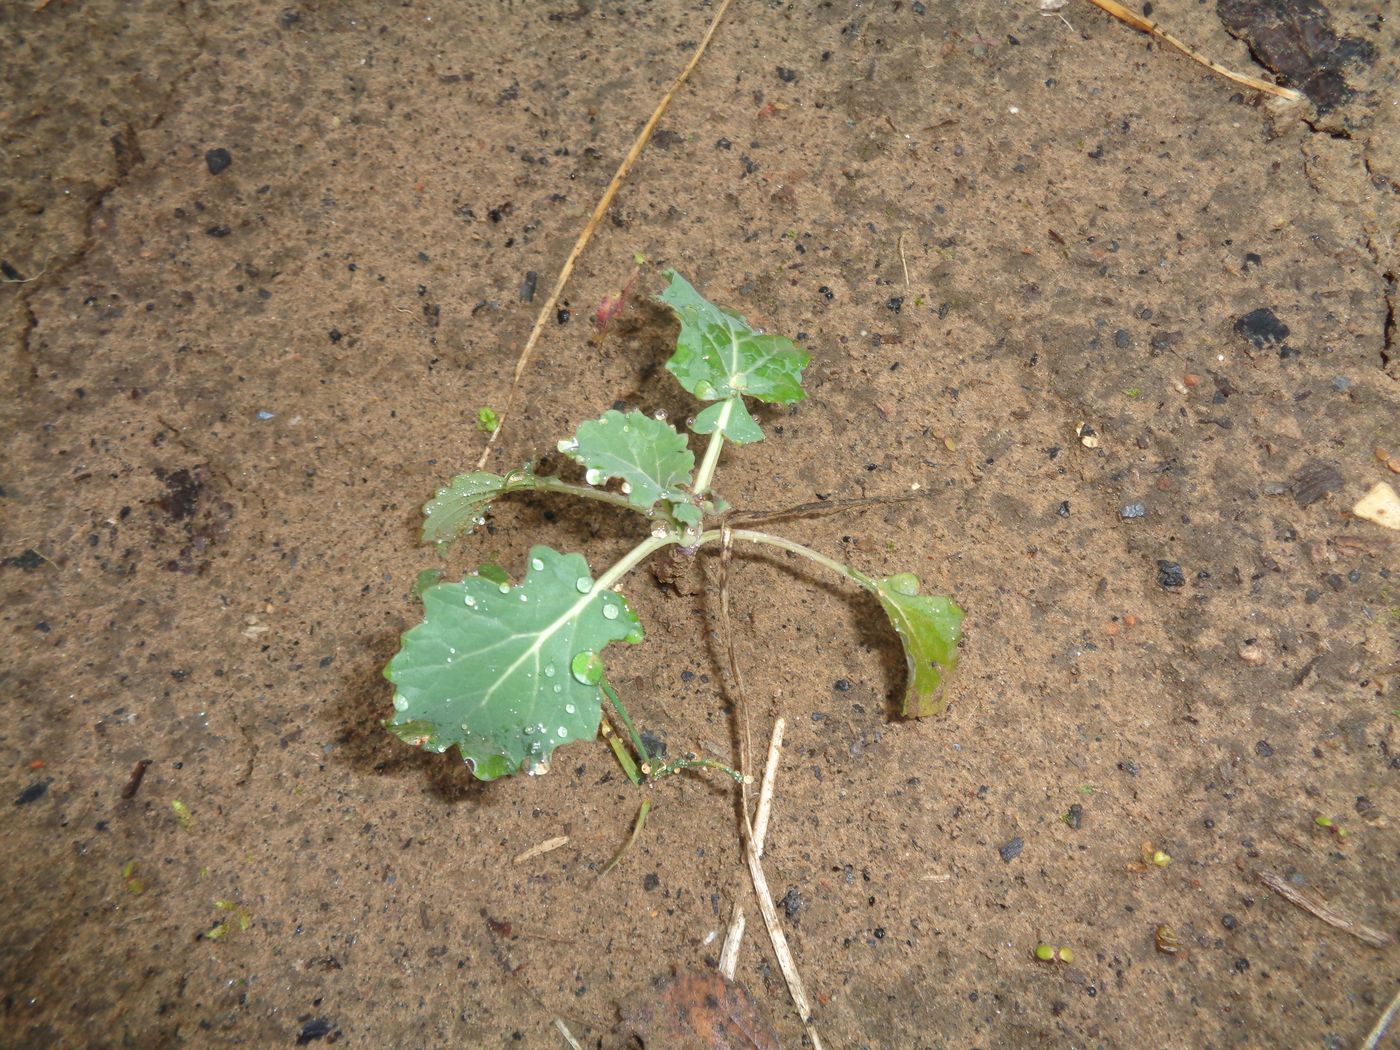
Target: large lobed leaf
column 929, row 627
column 651, row 458
column 461, row 505
column 504, row 673
column 720, row 355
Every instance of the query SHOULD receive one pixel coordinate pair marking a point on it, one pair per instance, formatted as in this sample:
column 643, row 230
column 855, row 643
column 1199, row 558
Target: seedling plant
column 509, row 672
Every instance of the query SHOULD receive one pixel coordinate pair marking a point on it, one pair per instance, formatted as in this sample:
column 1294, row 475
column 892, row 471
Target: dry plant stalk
column 605, row 202
column 1333, row 916
column 1150, row 27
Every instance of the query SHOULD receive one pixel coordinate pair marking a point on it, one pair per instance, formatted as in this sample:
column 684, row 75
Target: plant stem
column 630, row 560
column 711, row 460
column 549, row 483
column 795, row 548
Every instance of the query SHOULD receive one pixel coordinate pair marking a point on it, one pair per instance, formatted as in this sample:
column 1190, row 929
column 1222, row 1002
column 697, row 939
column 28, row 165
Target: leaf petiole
column 636, row 737
column 782, row 543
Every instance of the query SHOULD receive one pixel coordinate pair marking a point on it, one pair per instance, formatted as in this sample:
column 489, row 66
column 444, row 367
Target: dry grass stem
column 566, row 271
column 1150, row 27
column 1333, row 916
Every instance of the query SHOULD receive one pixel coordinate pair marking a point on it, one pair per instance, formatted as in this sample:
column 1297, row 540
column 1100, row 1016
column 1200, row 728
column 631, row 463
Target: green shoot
column 508, row 672
column 486, row 419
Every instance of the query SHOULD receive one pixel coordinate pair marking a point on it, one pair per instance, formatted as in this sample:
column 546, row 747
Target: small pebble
column 787, row 76
column 841, row 685
column 1133, row 510
column 1011, row 850
column 218, row 160
column 1264, row 749
column 1170, row 574
column 1228, row 921
column 1251, row 654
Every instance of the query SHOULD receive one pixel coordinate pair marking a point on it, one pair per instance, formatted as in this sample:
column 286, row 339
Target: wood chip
column 1333, row 916
column 543, row 847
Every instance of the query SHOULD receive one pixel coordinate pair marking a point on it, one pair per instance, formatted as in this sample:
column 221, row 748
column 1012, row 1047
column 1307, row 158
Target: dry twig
column 1378, row 1032
column 1150, row 27
column 547, row 310
column 1333, row 916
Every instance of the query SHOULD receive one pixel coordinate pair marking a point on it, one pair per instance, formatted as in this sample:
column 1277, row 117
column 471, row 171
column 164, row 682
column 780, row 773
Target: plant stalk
column 549, row 483
column 711, row 460
column 795, row 548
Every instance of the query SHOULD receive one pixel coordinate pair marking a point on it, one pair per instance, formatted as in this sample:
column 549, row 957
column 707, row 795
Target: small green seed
column 1044, row 952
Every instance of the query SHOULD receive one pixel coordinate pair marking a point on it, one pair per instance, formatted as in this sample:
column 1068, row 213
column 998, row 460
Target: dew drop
column 549, row 670
column 659, row 530
column 529, row 730
column 659, row 415
column 610, row 612
column 538, row 769
column 469, row 601
column 584, row 584
column 536, row 564
column 569, row 709
column 587, row 667
column 400, row 703
column 568, row 445
column 626, row 488
column 524, row 597
column 594, row 476
column 504, row 588
column 562, row 731
column 558, row 688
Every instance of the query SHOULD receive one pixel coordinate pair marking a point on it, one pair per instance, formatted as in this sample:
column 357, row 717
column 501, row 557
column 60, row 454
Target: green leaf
column 718, row 354
column 733, row 418
column 507, row 674
column 427, row 578
column 462, row 504
column 487, row 421
column 929, row 627
column 650, row 456
column 493, row 571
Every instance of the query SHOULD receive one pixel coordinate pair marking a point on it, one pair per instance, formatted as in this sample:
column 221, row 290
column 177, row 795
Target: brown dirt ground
column 1083, row 216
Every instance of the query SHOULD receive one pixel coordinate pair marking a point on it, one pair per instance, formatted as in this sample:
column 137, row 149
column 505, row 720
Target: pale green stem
column 711, row 460
column 549, row 483
column 630, row 560
column 796, row 548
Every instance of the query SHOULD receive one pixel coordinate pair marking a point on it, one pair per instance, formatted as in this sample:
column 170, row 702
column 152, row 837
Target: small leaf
column 732, row 417
column 490, row 570
column 929, row 627
column 486, row 419
column 650, row 456
column 490, row 669
column 461, row 505
column 718, row 354
column 427, row 578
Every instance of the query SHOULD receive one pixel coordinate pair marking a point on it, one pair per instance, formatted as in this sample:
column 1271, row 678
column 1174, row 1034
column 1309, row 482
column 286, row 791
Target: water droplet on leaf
column 610, row 612
column 584, row 584
column 549, row 670
column 537, row 565
column 400, row 703
column 562, row 731
column 569, row 709
column 587, row 667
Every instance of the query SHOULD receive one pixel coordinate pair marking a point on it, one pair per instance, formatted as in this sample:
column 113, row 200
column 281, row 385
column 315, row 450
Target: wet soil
column 272, row 260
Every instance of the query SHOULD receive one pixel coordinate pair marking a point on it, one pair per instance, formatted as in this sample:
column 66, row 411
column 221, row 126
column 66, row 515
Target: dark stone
column 316, row 1028
column 787, row 76
column 651, row 882
column 527, row 286
column 28, row 560
column 1228, row 921
column 1262, row 328
column 896, row 303
column 1063, row 509
column 1295, row 39
column 33, row 793
column 841, row 685
column 218, row 160
column 791, row 902
column 1264, row 749
column 1075, row 817
column 218, row 231
column 1011, row 850
column 1122, row 339
column 1170, row 574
